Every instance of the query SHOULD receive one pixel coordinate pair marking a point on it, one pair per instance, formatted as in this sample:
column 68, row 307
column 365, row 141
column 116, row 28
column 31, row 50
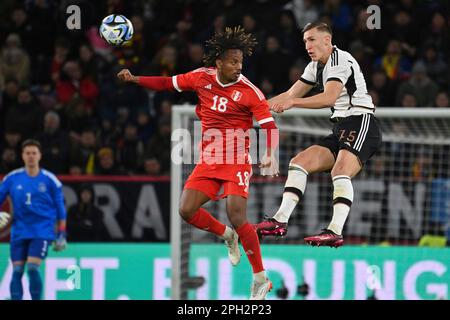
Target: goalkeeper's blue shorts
column 22, row 249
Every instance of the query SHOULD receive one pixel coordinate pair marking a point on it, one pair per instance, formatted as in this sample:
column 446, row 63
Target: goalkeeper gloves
column 60, row 243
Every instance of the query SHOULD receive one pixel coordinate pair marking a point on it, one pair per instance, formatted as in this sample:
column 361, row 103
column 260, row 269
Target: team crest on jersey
column 19, row 187
column 236, row 95
column 42, row 187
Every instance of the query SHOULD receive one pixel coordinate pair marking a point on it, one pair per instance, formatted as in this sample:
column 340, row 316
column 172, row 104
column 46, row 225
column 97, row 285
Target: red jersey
column 229, row 106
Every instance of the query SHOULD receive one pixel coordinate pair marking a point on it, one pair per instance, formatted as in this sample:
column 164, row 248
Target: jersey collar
column 228, row 84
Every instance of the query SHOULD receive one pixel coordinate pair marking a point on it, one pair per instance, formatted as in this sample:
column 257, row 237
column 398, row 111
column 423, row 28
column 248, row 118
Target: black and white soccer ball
column 116, row 29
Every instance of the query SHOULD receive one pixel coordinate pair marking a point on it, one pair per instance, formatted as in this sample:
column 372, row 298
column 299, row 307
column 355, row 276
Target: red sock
column 203, row 220
column 250, row 242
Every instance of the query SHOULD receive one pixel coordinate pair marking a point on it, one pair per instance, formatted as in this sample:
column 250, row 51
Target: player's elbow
column 329, row 100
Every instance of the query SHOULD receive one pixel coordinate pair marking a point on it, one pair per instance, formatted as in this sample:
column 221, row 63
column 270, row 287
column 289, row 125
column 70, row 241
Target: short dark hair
column 321, row 26
column 31, row 142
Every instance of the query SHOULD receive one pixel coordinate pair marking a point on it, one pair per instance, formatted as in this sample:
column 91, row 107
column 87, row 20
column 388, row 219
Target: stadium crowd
column 60, row 86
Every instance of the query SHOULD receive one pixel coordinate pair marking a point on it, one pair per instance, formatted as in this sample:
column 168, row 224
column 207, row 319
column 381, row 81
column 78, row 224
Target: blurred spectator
column 408, row 100
column 12, row 139
column 8, row 98
column 341, row 16
column 159, row 145
column 11, row 151
column 106, row 163
column 362, row 56
column 85, row 219
column 78, row 117
column 438, row 34
column 73, row 84
column 82, row 154
column 288, row 31
column 384, row 87
column 295, row 72
column 396, row 66
column 25, row 116
column 55, row 144
column 218, row 25
column 442, row 100
column 165, row 62
column 10, row 160
column 145, row 126
column 420, row 86
column 195, row 57
column 375, row 97
column 20, row 25
column 138, row 40
column 14, row 61
column 130, row 149
column 437, row 69
column 274, row 64
column 46, row 96
column 404, row 29
column 93, row 65
column 152, row 167
column 376, row 41
column 305, row 11
column 109, row 133
column 62, row 47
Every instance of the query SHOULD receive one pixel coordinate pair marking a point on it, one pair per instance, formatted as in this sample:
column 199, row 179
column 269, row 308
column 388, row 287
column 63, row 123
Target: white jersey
column 341, row 66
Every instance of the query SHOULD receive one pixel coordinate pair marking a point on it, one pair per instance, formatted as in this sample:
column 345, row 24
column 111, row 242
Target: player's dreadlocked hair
column 232, row 38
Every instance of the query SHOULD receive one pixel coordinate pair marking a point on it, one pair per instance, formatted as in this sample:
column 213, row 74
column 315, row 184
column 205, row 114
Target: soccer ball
column 116, row 29
column 5, row 223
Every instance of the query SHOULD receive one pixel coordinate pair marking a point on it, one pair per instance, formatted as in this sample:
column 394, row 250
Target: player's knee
column 18, row 270
column 237, row 217
column 186, row 211
column 303, row 160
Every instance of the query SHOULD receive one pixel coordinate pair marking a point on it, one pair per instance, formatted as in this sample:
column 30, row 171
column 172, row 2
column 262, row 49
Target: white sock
column 342, row 201
column 260, row 276
column 287, row 206
column 227, row 234
column 294, row 188
column 340, row 213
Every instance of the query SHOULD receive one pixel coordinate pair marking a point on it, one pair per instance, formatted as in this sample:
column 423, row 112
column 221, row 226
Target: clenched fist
column 125, row 75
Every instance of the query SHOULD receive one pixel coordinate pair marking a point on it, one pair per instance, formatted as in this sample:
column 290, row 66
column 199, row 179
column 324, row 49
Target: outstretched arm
column 322, row 100
column 298, row 90
column 153, row 83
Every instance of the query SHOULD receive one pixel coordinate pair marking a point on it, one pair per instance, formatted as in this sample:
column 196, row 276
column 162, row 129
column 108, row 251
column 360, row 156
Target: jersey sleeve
column 187, row 81
column 309, row 76
column 58, row 198
column 339, row 70
column 259, row 106
column 4, row 189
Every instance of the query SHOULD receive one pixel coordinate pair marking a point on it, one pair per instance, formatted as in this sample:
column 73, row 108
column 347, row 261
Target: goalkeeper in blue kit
column 39, row 218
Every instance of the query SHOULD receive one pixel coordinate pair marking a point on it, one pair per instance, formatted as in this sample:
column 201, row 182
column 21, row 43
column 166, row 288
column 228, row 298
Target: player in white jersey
column 355, row 138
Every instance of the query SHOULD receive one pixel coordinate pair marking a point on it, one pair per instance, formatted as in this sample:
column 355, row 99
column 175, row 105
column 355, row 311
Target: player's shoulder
column 340, row 57
column 13, row 174
column 52, row 177
column 248, row 85
column 205, row 70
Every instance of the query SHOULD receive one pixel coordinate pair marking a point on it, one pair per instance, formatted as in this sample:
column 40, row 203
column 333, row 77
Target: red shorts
column 209, row 179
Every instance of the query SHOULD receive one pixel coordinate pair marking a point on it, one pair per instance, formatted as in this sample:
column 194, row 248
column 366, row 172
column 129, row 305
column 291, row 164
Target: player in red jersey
column 228, row 101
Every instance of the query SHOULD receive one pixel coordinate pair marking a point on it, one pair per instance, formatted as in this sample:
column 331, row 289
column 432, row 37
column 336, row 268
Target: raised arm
column 153, row 83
